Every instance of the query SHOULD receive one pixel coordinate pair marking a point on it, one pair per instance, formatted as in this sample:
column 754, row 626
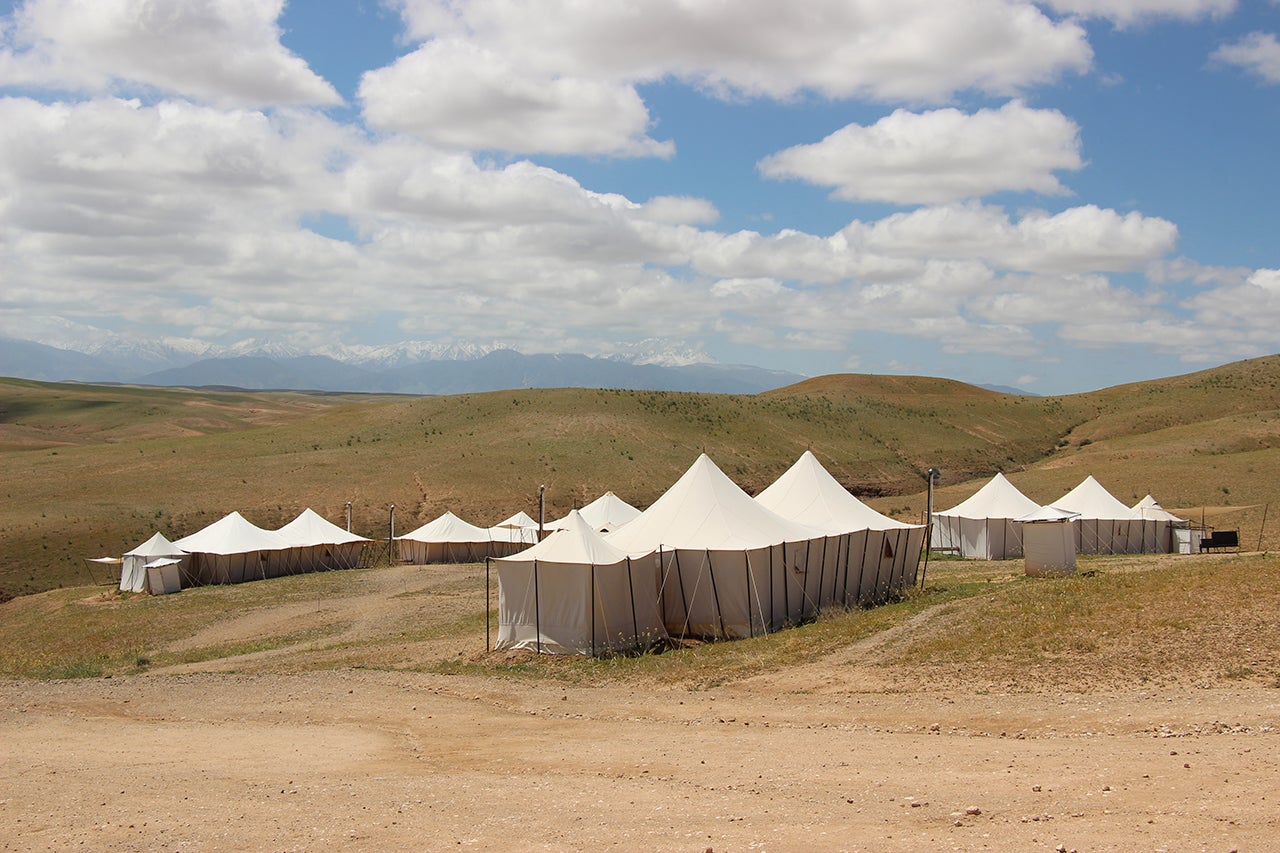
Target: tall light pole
column 348, row 516
column 932, row 475
column 391, row 538
column 542, row 509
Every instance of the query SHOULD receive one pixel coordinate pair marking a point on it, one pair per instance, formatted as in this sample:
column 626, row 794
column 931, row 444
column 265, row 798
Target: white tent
column 878, row 555
column 1105, row 525
column 983, row 526
column 133, row 571
column 1049, row 542
column 574, row 593
column 513, row 534
column 1162, row 531
column 606, row 514
column 232, row 550
column 730, row 567
column 447, row 539
column 520, row 520
column 316, row 544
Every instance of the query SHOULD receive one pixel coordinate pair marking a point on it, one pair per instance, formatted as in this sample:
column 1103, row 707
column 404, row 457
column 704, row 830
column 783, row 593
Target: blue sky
column 1059, row 196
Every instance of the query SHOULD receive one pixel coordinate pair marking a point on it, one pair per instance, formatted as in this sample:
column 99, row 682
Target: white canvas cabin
column 870, row 557
column 447, row 539
column 1048, row 542
column 1105, row 525
column 316, row 544
column 605, row 514
column 133, row 566
column 232, row 550
column 576, row 594
column 730, row 567
column 983, row 527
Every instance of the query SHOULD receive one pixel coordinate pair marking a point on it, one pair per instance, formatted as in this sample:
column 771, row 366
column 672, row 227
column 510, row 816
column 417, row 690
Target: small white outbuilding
column 1048, row 542
column 133, row 566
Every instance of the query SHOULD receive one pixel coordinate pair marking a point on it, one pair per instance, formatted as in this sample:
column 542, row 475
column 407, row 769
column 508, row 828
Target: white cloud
column 939, row 156
column 226, row 52
column 1080, row 239
column 1257, row 52
column 1126, row 12
column 899, row 50
column 455, row 94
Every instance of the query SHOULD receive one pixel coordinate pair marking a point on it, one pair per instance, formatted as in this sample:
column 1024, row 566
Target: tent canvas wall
column 888, row 550
column 133, row 566
column 983, row 527
column 574, row 593
column 730, row 567
column 232, row 550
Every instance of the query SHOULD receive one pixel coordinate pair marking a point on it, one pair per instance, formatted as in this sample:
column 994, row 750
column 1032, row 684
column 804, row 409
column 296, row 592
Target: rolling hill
column 93, row 470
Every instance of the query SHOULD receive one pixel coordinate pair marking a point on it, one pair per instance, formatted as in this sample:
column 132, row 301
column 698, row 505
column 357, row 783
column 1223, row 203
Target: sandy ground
column 829, row 755
column 375, row 761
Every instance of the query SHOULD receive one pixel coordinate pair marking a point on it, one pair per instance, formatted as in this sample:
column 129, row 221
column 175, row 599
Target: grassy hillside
column 89, row 471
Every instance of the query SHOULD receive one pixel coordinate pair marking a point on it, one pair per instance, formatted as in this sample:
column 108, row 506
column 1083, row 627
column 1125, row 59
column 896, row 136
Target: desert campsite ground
column 374, row 721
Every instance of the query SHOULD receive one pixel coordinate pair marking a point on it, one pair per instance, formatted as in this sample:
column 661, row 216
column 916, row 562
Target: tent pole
column 862, row 567
column 1264, row 524
column 715, row 593
column 822, row 576
column 684, row 601
column 773, row 598
column 537, row 609
column 635, row 623
column 593, row 609
column 751, row 626
column 786, row 585
column 487, row 561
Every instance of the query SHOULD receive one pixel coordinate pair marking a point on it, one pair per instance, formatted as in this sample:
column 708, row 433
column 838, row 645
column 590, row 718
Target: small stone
column 1035, row 788
column 973, row 810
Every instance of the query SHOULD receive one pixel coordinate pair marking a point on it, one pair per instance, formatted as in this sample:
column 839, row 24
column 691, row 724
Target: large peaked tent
column 133, row 566
column 1105, row 525
column 730, row 567
column 316, row 544
column 1159, row 526
column 574, row 593
column 447, row 539
column 983, row 526
column 232, row 550
column 879, row 555
column 606, row 514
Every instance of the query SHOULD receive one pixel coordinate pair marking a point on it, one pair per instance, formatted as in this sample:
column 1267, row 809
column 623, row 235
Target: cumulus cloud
column 459, row 95
column 938, row 156
column 1125, row 12
column 1079, row 239
column 226, row 52
column 906, row 49
column 1258, row 53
